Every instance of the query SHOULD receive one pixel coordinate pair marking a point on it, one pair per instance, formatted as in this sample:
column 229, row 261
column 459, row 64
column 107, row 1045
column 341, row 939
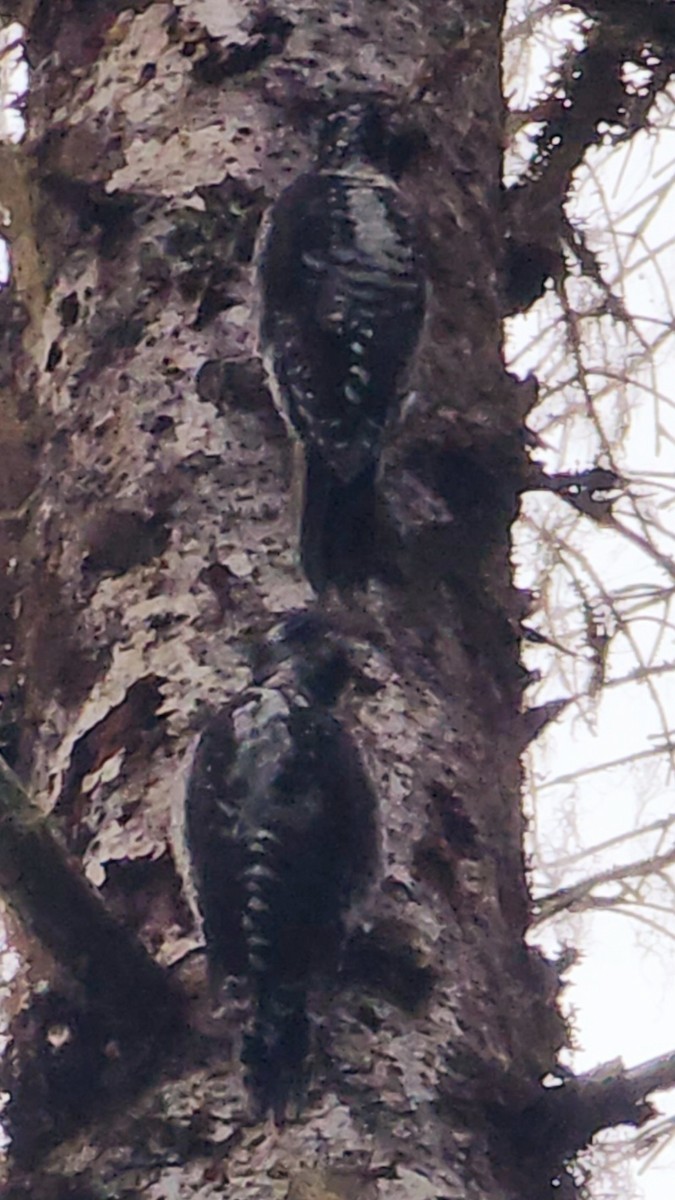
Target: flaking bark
column 159, row 540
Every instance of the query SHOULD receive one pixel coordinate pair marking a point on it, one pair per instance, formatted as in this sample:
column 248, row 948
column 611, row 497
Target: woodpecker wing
column 308, row 849
column 343, row 295
column 280, row 827
column 217, row 853
column 308, row 842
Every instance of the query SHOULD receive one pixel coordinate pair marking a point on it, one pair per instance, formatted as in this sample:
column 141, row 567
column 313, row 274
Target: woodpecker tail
column 337, row 540
column 275, row 1051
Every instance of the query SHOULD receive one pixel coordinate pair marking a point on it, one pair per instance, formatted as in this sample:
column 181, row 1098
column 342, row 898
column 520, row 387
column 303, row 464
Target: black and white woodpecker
column 280, row 824
column 343, row 297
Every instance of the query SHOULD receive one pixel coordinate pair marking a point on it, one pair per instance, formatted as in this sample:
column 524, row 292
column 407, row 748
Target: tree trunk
column 148, row 538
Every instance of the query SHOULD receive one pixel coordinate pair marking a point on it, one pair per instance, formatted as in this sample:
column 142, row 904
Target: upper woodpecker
column 280, row 820
column 343, row 295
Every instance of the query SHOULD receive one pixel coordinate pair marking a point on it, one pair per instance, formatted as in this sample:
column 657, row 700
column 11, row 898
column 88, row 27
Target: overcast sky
column 621, row 991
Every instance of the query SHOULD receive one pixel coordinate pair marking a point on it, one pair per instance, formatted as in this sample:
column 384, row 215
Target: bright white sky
column 621, row 992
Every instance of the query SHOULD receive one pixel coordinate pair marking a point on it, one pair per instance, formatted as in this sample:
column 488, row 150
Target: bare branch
column 570, row 1115
column 576, row 897
column 59, row 907
column 624, row 761
column 580, row 489
column 585, row 99
column 655, row 18
column 618, row 840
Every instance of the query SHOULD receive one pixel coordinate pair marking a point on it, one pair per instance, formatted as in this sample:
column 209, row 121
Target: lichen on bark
column 160, row 544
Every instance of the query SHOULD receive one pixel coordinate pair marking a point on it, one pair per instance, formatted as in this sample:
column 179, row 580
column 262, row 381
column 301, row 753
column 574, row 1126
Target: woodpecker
column 280, row 828
column 342, row 303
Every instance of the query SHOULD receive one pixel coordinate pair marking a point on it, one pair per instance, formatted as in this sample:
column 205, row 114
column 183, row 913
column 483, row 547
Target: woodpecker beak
column 266, row 660
column 307, row 641
column 280, row 642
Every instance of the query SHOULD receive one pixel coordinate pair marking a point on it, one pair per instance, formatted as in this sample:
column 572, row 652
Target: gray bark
column 150, row 538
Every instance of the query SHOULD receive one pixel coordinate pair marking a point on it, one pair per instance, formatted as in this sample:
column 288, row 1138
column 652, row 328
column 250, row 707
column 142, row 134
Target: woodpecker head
column 306, row 650
column 354, row 134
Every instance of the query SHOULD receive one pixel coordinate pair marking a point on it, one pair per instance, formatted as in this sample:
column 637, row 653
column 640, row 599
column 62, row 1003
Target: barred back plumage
column 280, row 820
column 343, row 296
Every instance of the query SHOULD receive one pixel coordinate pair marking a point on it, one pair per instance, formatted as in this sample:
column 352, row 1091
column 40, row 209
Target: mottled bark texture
column 148, row 537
